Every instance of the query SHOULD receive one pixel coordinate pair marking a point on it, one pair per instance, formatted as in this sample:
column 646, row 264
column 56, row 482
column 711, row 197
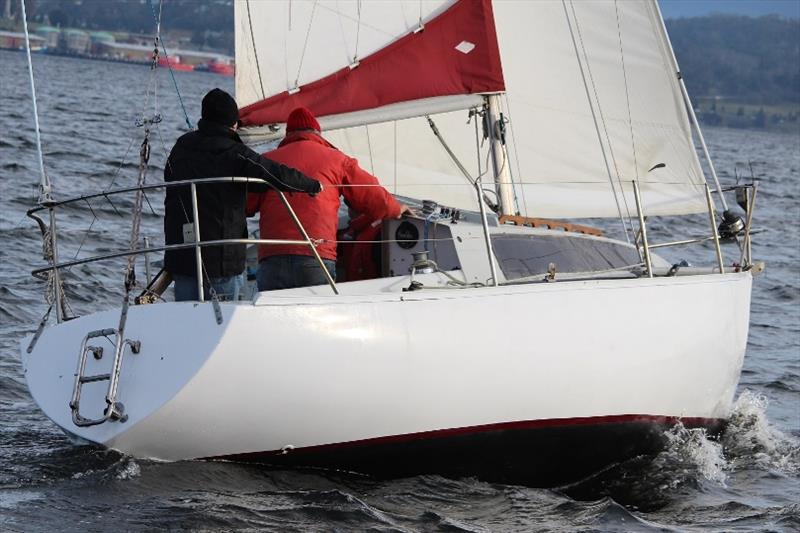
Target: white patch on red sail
column 465, row 47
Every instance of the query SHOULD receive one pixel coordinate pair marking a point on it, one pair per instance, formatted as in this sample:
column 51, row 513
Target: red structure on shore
column 219, row 67
column 174, row 62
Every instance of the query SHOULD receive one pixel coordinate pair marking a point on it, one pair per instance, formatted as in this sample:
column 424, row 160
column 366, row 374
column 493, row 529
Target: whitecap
column 692, row 448
column 751, row 440
column 130, row 469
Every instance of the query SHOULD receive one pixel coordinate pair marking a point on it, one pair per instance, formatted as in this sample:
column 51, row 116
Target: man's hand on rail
column 405, row 210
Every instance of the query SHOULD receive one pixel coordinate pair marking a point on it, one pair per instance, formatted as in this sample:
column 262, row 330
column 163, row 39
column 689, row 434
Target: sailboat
column 501, row 340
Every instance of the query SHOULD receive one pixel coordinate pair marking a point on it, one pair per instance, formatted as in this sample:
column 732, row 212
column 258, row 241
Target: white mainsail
column 591, row 95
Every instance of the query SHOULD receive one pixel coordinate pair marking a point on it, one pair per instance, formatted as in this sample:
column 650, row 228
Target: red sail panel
column 456, row 53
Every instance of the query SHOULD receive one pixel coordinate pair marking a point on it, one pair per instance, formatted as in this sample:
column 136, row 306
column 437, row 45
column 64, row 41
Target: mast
column 502, row 174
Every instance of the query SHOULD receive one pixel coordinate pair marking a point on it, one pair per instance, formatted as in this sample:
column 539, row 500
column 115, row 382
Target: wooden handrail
column 549, row 224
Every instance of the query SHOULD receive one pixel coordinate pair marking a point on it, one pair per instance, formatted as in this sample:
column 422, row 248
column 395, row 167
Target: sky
column 753, row 8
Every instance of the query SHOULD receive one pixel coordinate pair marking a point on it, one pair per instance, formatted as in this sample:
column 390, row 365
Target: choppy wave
column 694, row 462
column 750, row 439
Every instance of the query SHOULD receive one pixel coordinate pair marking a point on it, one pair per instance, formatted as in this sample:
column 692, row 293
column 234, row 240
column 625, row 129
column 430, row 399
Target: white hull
column 301, row 370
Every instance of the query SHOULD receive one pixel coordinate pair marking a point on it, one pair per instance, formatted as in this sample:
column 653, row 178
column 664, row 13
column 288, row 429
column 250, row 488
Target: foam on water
column 129, row 469
column 692, row 450
column 751, row 440
column 692, row 462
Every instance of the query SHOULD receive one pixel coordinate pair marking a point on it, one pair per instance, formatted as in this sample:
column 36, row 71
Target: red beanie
column 301, row 119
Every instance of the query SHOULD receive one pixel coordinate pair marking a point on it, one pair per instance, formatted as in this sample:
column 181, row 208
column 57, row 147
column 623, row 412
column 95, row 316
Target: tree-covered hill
column 743, row 59
column 135, row 15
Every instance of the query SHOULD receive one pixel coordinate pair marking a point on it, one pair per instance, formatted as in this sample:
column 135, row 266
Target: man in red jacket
column 287, row 266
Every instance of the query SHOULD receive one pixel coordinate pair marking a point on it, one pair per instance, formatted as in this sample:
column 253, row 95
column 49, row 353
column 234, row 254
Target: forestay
column 589, row 88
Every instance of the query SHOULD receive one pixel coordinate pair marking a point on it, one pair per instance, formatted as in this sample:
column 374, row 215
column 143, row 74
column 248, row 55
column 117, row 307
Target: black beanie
column 220, row 107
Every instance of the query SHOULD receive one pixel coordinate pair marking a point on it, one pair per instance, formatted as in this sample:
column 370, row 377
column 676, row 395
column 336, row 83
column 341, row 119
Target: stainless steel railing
column 746, row 259
column 197, row 245
column 56, row 266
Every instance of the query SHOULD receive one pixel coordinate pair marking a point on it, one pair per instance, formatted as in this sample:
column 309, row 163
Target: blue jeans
column 289, row 271
column 227, row 288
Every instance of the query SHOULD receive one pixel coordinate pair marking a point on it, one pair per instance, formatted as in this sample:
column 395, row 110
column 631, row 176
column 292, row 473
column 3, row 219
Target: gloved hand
column 312, row 194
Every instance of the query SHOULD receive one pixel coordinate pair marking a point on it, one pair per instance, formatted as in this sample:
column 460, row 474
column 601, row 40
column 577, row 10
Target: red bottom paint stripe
column 657, row 420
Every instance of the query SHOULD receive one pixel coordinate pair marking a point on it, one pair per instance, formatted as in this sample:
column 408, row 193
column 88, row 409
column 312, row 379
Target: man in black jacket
column 215, row 150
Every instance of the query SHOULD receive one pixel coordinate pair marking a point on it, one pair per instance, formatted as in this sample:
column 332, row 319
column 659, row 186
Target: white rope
column 53, row 282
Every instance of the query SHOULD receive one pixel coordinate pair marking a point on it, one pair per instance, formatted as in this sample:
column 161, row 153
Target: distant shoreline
column 89, row 57
column 735, row 114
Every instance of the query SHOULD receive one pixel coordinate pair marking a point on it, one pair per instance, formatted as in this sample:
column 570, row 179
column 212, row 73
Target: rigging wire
column 305, row 45
column 369, row 147
column 591, row 108
column 255, row 50
column 516, row 153
column 144, row 162
column 144, row 158
column 94, row 215
column 475, row 114
column 45, row 187
column 157, row 18
column 156, row 41
column 628, row 103
column 395, row 156
column 504, row 152
column 602, row 120
column 475, row 182
column 358, row 31
column 340, row 19
column 54, row 290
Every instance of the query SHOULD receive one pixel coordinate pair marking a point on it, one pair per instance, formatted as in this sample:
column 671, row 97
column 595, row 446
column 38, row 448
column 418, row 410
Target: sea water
column 747, row 481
